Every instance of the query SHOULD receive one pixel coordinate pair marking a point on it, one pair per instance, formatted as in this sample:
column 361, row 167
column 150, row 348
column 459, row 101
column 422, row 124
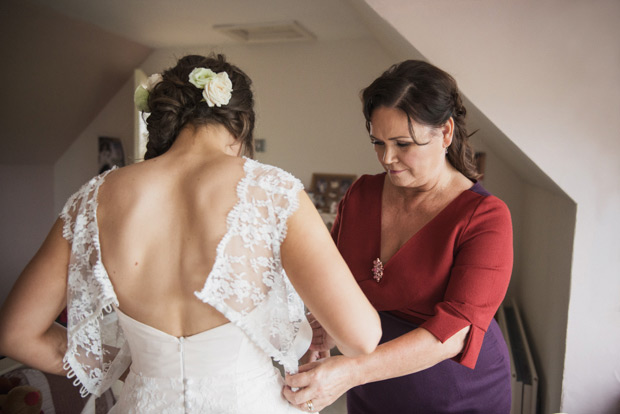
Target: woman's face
column 409, row 164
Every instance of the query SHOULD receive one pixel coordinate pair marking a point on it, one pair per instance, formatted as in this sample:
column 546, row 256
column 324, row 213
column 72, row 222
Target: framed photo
column 110, row 153
column 327, row 190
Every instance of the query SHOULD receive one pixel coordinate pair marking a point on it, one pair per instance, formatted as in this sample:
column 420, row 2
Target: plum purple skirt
column 447, row 387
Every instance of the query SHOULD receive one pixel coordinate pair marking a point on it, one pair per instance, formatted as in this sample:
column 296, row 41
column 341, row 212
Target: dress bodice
column 158, row 354
column 216, row 371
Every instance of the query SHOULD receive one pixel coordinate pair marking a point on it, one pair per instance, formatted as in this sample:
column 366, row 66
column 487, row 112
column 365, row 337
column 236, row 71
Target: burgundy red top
column 454, row 272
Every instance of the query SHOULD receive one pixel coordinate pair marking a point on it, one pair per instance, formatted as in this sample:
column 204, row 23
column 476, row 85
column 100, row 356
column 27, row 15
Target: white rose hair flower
column 153, row 80
column 199, row 77
column 217, row 87
column 141, row 95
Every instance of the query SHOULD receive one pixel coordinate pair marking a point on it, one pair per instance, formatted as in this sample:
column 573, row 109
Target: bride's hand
column 311, row 356
column 321, row 341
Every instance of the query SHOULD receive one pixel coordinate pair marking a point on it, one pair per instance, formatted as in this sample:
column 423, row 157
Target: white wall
column 80, row 162
column 543, row 286
column 25, row 217
column 547, row 74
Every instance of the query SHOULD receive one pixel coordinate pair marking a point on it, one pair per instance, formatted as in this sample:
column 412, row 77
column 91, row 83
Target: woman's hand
column 320, row 382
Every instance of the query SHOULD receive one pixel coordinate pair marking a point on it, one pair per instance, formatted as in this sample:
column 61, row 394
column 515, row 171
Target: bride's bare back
column 160, row 223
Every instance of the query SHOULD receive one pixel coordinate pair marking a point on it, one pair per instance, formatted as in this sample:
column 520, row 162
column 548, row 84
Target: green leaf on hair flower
column 141, row 99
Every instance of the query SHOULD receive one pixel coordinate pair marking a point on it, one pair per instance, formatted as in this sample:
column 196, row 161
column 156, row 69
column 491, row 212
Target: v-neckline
column 413, row 236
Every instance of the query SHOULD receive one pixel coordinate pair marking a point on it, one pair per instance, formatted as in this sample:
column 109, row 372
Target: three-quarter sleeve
column 479, row 278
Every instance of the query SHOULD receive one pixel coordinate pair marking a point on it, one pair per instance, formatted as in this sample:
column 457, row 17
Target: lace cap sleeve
column 70, row 210
column 248, row 283
column 96, row 352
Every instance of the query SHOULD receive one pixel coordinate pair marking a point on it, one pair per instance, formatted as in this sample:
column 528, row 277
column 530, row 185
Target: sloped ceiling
column 166, row 23
column 57, row 74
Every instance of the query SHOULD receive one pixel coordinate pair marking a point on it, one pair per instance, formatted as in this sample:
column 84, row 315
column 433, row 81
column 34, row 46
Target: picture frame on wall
column 326, row 190
column 110, row 153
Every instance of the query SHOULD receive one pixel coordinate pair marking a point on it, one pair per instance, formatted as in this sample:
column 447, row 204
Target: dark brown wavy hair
column 429, row 96
column 175, row 103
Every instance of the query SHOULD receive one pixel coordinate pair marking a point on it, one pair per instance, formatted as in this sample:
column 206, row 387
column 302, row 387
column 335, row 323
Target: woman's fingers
column 311, row 406
column 322, row 382
column 302, row 384
column 297, row 397
column 301, row 398
column 307, row 368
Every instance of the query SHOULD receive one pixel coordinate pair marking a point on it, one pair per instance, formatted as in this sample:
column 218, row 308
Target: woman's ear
column 447, row 130
column 234, row 148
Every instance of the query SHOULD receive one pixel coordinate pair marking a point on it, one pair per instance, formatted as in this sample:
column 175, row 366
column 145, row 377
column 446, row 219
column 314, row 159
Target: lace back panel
column 248, row 284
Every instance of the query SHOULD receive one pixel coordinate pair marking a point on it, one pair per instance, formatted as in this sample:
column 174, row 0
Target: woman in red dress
column 432, row 250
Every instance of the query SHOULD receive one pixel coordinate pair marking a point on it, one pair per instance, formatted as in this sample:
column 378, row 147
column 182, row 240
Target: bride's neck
column 204, row 142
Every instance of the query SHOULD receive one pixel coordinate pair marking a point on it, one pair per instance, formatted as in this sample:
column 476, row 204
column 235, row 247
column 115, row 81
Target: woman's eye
column 376, row 142
column 403, row 144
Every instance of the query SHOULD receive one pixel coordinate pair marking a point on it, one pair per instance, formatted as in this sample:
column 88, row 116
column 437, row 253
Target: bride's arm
column 28, row 332
column 321, row 277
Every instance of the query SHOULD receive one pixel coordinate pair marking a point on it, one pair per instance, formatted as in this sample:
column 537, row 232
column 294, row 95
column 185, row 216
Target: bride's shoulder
column 271, row 173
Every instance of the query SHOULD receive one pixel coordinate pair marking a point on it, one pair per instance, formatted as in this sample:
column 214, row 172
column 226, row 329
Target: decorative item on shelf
column 110, row 153
column 328, row 189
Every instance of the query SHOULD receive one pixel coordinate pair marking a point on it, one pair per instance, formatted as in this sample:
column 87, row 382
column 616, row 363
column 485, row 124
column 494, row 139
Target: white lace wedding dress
column 225, row 370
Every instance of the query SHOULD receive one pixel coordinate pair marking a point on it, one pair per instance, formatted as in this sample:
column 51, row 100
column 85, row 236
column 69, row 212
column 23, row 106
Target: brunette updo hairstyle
column 429, row 96
column 175, row 102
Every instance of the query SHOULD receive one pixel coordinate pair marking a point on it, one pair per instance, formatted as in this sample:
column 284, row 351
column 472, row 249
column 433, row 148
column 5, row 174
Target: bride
column 187, row 272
